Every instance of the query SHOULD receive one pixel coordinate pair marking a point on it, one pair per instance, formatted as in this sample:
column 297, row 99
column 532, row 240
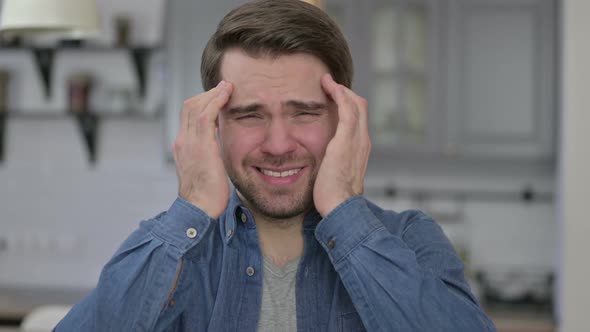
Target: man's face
column 274, row 130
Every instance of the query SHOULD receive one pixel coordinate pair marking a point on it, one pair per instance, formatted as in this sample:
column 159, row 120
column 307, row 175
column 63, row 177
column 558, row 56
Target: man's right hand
column 199, row 166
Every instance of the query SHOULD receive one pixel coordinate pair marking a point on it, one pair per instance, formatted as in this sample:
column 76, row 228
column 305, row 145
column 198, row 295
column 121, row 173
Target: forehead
column 266, row 79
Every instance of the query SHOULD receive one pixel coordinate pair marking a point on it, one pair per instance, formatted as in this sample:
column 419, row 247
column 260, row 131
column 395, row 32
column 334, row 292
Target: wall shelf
column 89, row 120
column 44, row 58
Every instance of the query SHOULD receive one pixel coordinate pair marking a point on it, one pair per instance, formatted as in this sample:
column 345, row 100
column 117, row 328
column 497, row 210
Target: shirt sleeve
column 135, row 285
column 412, row 281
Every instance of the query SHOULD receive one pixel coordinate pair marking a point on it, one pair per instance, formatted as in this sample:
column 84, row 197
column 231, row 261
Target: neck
column 280, row 240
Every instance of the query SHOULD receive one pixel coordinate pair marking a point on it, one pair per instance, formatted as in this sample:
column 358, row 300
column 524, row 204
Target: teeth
column 280, row 174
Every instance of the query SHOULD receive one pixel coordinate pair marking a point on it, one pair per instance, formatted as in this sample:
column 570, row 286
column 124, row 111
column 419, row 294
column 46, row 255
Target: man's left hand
column 342, row 171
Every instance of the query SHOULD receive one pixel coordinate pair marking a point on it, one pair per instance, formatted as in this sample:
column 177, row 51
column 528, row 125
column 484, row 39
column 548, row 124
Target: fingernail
column 222, row 83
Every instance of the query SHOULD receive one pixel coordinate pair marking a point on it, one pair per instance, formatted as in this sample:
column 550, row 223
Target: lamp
column 73, row 19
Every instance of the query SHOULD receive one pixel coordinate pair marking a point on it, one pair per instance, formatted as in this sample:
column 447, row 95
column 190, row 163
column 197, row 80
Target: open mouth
column 279, row 174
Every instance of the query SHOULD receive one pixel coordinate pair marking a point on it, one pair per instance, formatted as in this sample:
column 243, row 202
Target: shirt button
column 250, row 271
column 331, row 244
column 244, row 217
column 230, row 233
column 191, row 233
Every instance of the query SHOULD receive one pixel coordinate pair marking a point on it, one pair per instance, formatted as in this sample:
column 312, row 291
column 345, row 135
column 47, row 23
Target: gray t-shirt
column 278, row 311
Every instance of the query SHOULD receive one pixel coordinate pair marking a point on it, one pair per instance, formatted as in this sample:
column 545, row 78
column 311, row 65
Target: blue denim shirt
column 363, row 269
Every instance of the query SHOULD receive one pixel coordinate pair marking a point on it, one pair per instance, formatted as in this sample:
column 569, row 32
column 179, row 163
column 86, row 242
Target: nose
column 278, row 139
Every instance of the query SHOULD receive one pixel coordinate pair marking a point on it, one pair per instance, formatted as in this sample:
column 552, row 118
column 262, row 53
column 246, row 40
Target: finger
column 207, row 121
column 362, row 108
column 347, row 108
column 200, row 104
column 363, row 139
column 329, row 85
column 196, row 104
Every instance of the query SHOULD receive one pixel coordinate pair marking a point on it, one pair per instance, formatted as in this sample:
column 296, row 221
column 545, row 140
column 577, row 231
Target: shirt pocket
column 351, row 322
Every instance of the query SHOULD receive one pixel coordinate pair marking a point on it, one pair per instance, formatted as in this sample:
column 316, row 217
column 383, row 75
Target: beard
column 275, row 203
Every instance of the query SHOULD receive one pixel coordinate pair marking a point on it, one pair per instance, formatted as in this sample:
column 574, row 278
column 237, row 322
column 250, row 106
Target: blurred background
column 475, row 114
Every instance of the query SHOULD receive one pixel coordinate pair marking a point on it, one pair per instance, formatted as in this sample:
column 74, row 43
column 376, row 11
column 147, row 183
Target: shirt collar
column 236, row 211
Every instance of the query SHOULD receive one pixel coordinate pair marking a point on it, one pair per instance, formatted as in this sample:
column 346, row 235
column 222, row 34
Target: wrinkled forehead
column 273, row 80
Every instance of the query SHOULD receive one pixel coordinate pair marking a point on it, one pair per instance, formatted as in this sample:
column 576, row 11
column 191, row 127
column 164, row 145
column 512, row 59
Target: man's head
column 278, row 122
column 274, row 28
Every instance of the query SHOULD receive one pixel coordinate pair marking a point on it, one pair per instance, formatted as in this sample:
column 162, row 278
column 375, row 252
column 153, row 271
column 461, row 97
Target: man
column 295, row 247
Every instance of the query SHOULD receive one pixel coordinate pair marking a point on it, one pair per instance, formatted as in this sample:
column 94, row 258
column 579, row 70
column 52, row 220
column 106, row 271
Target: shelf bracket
column 88, row 123
column 139, row 57
column 44, row 60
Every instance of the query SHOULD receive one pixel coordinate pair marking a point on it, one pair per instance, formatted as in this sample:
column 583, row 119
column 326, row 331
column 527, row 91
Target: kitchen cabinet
column 395, row 47
column 501, row 78
column 455, row 78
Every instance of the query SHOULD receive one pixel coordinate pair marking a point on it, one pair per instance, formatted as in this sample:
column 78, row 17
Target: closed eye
column 246, row 112
column 305, row 113
column 249, row 116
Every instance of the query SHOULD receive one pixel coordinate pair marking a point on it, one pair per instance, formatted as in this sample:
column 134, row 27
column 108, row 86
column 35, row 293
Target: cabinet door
column 501, row 79
column 403, row 54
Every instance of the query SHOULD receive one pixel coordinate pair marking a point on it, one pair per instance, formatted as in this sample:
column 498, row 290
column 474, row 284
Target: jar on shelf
column 79, row 90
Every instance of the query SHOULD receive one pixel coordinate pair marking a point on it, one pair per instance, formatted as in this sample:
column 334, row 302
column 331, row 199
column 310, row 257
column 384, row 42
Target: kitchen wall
column 62, row 219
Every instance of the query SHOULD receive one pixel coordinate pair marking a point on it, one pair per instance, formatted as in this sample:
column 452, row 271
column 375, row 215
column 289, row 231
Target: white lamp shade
column 68, row 18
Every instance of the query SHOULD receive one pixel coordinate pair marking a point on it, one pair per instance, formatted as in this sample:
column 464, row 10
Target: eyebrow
column 301, row 105
column 306, row 106
column 238, row 110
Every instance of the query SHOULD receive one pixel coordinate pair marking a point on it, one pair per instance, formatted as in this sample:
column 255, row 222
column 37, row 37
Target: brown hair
column 274, row 28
